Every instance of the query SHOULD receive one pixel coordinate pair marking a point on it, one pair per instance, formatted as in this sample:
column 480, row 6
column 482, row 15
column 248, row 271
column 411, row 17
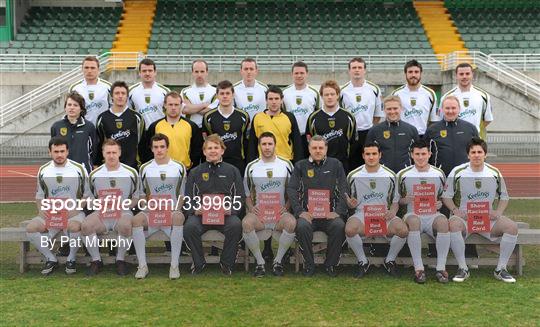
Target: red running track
column 18, row 183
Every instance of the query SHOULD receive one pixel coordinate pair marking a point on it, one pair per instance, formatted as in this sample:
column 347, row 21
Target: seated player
column 161, row 177
column 267, row 176
column 117, row 182
column 471, row 191
column 60, row 178
column 421, row 186
column 372, row 185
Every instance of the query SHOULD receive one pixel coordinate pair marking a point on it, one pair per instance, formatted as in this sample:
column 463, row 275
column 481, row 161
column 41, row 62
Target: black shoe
column 259, row 271
column 504, row 276
column 390, row 268
column 121, row 268
column 214, row 251
column 331, row 271
column 197, row 270
column 420, row 277
column 442, row 276
column 71, row 267
column 225, row 269
column 49, row 267
column 287, row 257
column 361, row 269
column 267, row 253
column 277, row 269
column 309, row 271
column 63, row 251
column 95, row 268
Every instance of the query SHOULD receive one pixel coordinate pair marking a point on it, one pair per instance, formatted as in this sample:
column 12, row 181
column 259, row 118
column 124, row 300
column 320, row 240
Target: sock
column 35, row 239
column 457, row 243
column 442, row 243
column 177, row 234
column 252, row 241
column 415, row 245
column 357, row 246
column 74, row 239
column 139, row 241
column 91, row 243
column 508, row 242
column 285, row 241
column 396, row 244
column 123, row 246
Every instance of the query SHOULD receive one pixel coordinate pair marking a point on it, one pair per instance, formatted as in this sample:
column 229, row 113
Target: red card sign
column 110, row 209
column 161, row 214
column 424, row 199
column 269, row 207
column 319, row 203
column 478, row 217
column 57, row 220
column 374, row 221
column 215, row 215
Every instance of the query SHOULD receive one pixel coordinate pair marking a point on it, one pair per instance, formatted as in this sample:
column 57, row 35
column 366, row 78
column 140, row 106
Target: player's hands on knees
column 228, row 212
column 438, row 205
column 306, row 216
column 255, row 210
column 460, row 213
column 72, row 213
column 351, row 202
column 389, row 215
column 332, row 215
column 198, row 212
column 283, row 210
column 495, row 214
column 406, row 200
column 43, row 214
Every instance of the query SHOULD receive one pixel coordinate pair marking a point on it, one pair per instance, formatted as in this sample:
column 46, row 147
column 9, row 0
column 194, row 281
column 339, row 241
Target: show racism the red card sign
column 110, row 208
column 213, row 214
column 269, row 207
column 319, row 203
column 424, row 199
column 161, row 212
column 57, row 219
column 478, row 217
column 374, row 221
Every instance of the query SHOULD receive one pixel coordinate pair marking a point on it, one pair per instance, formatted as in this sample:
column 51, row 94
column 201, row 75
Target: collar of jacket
column 451, row 123
column 310, row 159
column 80, row 121
column 392, row 123
column 214, row 165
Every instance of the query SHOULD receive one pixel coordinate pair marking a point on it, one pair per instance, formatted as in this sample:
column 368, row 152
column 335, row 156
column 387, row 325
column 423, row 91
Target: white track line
column 18, row 172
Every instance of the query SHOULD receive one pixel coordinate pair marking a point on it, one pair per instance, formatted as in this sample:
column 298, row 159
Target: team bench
column 156, row 255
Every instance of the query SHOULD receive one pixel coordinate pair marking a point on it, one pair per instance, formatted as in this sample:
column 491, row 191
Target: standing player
column 199, row 96
column 163, row 177
column 122, row 125
column 94, row 90
column 419, row 101
column 336, row 125
column 249, row 94
column 121, row 182
column 301, row 99
column 146, row 97
column 413, row 181
column 477, row 182
column 269, row 174
column 374, row 184
column 230, row 124
column 60, row 178
column 281, row 124
column 475, row 103
column 362, row 99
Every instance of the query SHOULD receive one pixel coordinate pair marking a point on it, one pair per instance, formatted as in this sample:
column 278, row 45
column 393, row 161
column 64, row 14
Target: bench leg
column 246, row 258
column 519, row 259
column 297, row 258
column 23, row 251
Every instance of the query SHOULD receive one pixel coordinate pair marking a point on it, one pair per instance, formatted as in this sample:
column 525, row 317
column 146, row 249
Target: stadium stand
column 517, row 27
column 65, row 30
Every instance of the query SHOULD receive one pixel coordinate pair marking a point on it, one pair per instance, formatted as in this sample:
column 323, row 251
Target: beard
column 413, row 81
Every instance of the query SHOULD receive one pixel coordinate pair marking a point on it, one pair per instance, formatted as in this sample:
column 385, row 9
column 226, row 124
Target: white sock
column 285, row 241
column 177, row 234
column 74, row 239
column 35, row 239
column 252, row 241
column 91, row 243
column 415, row 245
column 139, row 241
column 396, row 244
column 357, row 246
column 508, row 242
column 122, row 247
column 442, row 243
column 457, row 243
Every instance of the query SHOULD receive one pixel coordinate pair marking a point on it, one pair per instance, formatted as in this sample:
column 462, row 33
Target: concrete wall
column 14, row 85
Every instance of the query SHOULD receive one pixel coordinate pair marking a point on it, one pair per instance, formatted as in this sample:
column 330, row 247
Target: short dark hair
column 226, row 84
column 90, row 58
column 299, row 64
column 119, row 84
column 274, row 89
column 248, row 60
column 372, row 145
column 412, row 63
column 464, row 65
column 357, row 59
column 199, row 60
column 159, row 137
column 75, row 96
column 58, row 140
column 147, row 62
column 267, row 134
column 420, row 144
column 477, row 141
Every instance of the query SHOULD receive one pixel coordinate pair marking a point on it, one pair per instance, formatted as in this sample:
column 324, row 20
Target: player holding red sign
column 471, row 191
column 372, row 185
column 162, row 183
column 264, row 183
column 421, row 186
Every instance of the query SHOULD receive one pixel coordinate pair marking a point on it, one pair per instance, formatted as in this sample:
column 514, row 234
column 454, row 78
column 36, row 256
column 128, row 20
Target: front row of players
column 315, row 195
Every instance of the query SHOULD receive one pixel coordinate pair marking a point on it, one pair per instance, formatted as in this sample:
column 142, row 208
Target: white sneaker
column 142, row 272
column 174, row 272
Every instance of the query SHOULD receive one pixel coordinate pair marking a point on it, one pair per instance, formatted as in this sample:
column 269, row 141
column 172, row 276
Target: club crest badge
column 226, row 126
column 112, row 182
column 91, row 95
column 63, row 131
column 332, row 123
column 201, row 96
column 413, row 102
column 250, row 97
column 298, row 100
column 119, row 124
column 358, row 98
column 311, row 173
column 59, row 179
column 372, row 184
column 163, row 176
column 205, row 177
column 386, row 134
column 443, row 133
column 466, row 102
column 478, row 184
column 269, row 173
